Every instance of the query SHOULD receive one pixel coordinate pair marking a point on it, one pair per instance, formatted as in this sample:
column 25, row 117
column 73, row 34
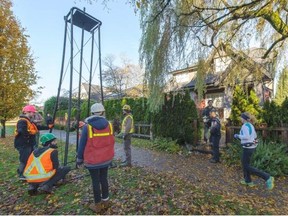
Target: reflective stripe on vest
column 124, row 123
column 31, row 128
column 35, row 163
column 100, row 145
column 99, row 134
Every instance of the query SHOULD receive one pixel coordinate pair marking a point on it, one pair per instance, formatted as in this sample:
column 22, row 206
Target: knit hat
column 245, row 116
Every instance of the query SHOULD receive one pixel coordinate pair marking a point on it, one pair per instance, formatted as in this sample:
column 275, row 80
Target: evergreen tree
column 243, row 103
column 282, row 87
column 253, row 106
column 239, row 105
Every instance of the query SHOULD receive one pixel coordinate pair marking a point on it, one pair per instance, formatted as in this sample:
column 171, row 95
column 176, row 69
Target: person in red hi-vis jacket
column 96, row 151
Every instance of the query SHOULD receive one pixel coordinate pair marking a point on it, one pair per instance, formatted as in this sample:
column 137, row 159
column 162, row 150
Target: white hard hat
column 97, row 107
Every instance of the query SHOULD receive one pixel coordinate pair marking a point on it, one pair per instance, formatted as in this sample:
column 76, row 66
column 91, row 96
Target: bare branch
column 161, row 11
column 273, row 45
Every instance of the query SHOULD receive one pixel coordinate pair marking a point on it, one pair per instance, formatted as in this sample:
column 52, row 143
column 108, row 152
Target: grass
column 132, row 191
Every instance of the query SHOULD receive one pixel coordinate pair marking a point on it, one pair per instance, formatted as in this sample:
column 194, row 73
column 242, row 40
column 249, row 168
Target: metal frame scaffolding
column 86, row 23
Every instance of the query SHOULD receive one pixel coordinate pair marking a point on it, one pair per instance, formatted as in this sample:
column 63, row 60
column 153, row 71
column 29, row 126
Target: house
column 95, row 93
column 136, row 91
column 223, row 69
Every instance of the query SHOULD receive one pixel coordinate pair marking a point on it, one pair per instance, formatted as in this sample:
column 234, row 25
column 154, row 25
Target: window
column 218, row 99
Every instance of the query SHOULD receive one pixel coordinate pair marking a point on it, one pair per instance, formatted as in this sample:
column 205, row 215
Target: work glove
column 50, row 126
column 79, row 163
column 236, row 136
column 124, row 135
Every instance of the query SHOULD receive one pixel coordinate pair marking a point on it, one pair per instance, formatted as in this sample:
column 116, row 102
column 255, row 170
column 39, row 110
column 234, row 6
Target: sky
column 43, row 21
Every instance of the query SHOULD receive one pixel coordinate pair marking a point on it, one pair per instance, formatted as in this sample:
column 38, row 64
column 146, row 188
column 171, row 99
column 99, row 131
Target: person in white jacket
column 248, row 139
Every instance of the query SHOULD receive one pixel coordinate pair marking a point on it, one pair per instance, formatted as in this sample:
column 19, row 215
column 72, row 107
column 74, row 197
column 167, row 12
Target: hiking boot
column 213, row 161
column 96, row 207
column 32, row 189
column 22, row 177
column 126, row 164
column 270, row 183
column 46, row 189
column 106, row 203
column 113, row 165
column 250, row 184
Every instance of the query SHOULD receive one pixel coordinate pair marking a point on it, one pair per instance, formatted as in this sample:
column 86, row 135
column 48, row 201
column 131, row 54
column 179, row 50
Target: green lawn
column 10, row 129
column 132, row 190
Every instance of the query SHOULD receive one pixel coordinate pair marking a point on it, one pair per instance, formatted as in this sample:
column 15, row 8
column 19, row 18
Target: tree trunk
column 3, row 129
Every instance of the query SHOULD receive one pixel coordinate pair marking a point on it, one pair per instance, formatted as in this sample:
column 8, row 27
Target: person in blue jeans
column 248, row 139
column 215, row 135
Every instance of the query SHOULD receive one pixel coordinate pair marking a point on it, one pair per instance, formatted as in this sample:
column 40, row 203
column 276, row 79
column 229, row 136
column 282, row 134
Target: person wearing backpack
column 248, row 139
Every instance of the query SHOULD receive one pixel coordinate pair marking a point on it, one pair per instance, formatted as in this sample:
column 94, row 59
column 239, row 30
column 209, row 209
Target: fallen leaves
column 180, row 191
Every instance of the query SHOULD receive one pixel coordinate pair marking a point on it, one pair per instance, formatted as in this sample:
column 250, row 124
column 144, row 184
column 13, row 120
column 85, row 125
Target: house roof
column 251, row 59
column 209, row 80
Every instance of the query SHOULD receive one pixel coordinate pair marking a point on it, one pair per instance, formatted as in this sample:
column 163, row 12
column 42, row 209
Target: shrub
column 232, row 154
column 166, row 144
column 269, row 157
column 174, row 119
column 272, row 158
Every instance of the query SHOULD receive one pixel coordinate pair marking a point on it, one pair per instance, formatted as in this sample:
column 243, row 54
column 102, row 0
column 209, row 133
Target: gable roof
column 250, row 59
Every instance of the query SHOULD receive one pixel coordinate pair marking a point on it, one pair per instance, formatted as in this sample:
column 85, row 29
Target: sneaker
column 270, row 183
column 250, row 184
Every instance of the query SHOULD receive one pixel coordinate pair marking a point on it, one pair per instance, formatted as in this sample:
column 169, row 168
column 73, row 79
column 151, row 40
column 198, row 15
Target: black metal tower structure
column 87, row 23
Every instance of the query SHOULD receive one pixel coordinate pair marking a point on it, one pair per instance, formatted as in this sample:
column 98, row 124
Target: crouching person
column 42, row 170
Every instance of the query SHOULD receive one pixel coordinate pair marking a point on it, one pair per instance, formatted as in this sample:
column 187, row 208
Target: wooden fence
column 277, row 134
column 143, row 131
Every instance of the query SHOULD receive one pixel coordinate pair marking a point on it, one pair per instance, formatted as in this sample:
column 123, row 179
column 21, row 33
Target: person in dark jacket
column 49, row 119
column 96, row 151
column 25, row 136
column 42, row 170
column 206, row 118
column 215, row 136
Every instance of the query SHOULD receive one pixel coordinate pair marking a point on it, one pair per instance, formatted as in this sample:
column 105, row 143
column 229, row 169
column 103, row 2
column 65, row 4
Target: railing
column 143, row 131
column 280, row 133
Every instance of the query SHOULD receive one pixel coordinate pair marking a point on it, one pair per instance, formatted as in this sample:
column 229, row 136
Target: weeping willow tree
column 175, row 32
column 282, row 87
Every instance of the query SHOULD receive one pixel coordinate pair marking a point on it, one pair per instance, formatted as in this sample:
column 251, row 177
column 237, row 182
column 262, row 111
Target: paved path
column 197, row 169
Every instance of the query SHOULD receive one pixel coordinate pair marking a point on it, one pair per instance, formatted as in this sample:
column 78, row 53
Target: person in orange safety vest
column 25, row 136
column 42, row 169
